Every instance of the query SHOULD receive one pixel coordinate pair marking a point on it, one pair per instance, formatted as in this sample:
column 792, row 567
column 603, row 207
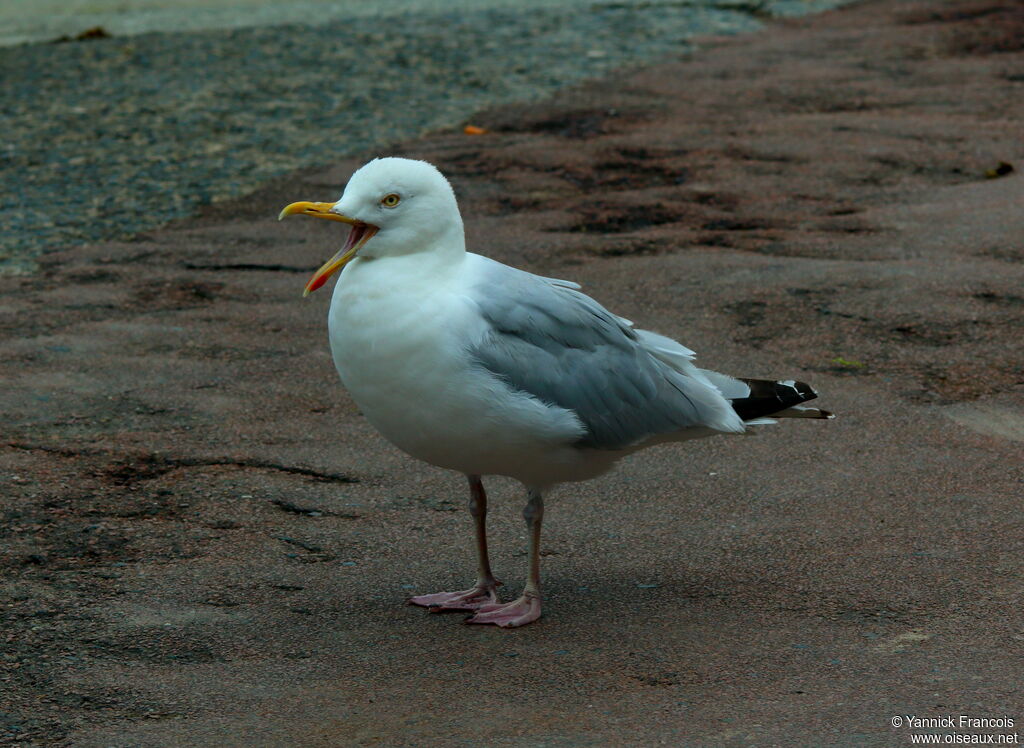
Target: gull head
column 393, row 206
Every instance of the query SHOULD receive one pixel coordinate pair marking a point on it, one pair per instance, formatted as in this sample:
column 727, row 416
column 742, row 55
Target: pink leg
column 527, row 608
column 485, row 590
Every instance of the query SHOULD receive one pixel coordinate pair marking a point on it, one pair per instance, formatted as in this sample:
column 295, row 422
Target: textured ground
column 53, row 19
column 104, row 137
column 204, row 543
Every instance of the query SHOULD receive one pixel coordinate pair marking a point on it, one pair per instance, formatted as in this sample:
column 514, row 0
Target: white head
column 395, row 206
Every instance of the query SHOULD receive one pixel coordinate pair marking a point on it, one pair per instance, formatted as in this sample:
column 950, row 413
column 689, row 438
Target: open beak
column 358, row 235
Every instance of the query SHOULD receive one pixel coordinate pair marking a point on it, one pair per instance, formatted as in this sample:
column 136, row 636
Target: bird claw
column 509, row 615
column 483, row 594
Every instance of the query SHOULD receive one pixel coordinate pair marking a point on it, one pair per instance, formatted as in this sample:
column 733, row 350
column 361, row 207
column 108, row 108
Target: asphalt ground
column 205, row 544
column 55, row 19
column 104, row 137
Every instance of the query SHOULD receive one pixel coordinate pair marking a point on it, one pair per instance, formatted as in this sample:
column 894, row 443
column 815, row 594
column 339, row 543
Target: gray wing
column 549, row 340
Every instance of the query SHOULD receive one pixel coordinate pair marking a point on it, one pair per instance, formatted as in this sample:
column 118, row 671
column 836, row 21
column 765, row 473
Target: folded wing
column 545, row 338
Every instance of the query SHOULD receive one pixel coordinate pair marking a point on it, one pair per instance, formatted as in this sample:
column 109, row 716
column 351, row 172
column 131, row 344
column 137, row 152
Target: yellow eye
column 391, row 200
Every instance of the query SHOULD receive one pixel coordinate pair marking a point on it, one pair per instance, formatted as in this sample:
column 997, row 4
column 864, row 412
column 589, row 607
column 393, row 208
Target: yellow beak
column 357, row 237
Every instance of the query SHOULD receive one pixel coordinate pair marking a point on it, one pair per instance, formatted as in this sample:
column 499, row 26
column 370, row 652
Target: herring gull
column 475, row 366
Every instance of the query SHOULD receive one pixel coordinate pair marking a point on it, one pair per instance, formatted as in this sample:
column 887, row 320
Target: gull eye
column 390, row 201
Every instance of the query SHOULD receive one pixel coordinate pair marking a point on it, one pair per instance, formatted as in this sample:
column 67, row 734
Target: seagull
column 474, row 366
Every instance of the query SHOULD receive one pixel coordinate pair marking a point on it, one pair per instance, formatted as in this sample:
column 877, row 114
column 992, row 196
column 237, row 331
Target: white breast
column 400, row 328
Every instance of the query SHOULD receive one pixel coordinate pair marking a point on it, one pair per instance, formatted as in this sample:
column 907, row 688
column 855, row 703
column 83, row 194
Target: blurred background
column 121, row 115
column 51, row 19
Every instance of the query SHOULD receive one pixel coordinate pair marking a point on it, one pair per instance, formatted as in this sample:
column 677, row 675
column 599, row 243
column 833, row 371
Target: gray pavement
column 203, row 542
column 52, row 19
column 107, row 137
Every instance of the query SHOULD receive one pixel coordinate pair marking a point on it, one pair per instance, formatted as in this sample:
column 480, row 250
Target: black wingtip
column 768, row 397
